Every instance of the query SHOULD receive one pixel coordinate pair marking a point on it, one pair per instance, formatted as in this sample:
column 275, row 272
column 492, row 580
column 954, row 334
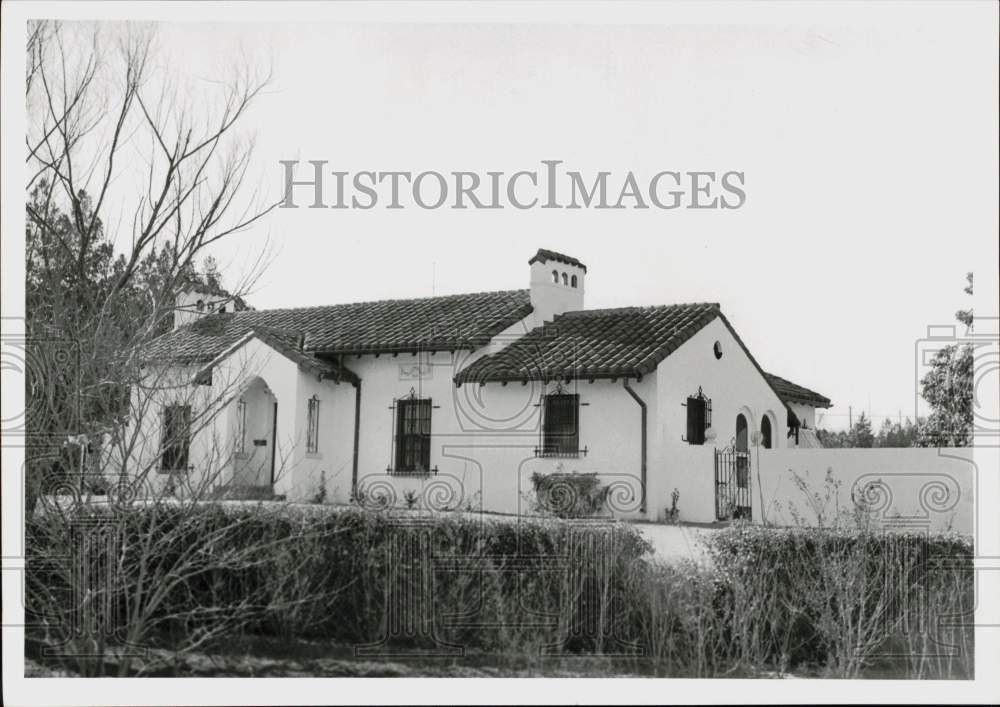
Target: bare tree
column 132, row 178
column 131, row 181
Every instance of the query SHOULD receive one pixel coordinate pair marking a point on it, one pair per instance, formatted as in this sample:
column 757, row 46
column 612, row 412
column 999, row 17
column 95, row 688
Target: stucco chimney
column 557, row 283
column 194, row 304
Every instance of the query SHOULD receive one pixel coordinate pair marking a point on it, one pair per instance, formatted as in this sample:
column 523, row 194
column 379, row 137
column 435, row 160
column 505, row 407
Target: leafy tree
column 947, row 387
column 894, row 434
column 861, row 434
column 74, row 310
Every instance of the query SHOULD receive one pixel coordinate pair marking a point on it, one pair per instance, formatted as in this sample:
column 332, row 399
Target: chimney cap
column 543, row 256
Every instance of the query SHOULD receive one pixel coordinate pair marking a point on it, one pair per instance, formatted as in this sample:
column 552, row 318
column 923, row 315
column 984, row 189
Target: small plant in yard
column 826, row 507
column 320, row 495
column 673, row 513
column 474, row 502
column 410, row 498
column 359, row 496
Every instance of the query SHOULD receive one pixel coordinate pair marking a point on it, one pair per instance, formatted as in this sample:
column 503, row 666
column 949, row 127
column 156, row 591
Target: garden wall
column 914, row 488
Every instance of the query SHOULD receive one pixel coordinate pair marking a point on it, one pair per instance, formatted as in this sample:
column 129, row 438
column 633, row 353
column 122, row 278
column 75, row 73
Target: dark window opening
column 561, row 425
column 241, row 427
column 555, row 277
column 312, row 426
column 572, row 281
column 176, row 440
column 413, row 435
column 717, row 350
column 699, row 418
column 765, row 432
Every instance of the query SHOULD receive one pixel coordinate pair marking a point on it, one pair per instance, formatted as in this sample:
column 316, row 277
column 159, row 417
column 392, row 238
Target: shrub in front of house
column 844, row 601
column 569, row 495
column 339, row 574
column 820, row 602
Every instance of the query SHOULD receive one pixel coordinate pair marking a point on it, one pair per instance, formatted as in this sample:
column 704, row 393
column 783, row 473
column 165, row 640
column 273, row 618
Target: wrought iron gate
column 732, row 484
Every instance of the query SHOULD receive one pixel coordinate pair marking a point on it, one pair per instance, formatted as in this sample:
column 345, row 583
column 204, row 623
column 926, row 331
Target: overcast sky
column 869, row 156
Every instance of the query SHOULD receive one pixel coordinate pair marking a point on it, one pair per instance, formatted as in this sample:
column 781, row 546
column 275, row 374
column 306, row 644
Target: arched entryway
column 254, row 425
column 742, row 436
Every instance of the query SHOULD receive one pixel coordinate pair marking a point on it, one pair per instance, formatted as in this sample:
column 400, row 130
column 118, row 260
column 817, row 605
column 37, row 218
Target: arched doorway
column 732, row 474
column 256, row 412
column 742, row 438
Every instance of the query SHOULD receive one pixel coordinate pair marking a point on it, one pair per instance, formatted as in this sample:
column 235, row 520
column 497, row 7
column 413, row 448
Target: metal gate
column 732, row 484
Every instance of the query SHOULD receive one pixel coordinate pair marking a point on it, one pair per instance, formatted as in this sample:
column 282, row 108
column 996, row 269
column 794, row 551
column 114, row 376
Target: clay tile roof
column 794, row 393
column 543, row 256
column 466, row 321
column 604, row 343
column 287, row 345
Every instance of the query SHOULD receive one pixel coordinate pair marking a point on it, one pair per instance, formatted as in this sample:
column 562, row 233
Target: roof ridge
column 635, row 308
column 383, row 301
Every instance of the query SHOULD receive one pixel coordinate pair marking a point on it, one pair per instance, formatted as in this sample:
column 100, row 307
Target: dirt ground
column 676, row 542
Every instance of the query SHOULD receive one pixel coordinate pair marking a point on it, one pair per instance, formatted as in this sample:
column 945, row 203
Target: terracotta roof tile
column 794, row 393
column 287, row 346
column 465, row 321
column 543, row 256
column 604, row 343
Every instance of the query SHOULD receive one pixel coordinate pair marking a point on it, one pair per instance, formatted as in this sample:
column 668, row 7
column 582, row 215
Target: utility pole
column 850, row 417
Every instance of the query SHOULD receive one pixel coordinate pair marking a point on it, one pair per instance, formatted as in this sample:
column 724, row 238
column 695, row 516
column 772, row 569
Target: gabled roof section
column 543, row 256
column 603, row 343
column 794, row 393
column 454, row 322
column 629, row 342
column 286, row 345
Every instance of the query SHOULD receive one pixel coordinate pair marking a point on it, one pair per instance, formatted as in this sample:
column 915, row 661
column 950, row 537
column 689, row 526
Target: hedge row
column 828, row 602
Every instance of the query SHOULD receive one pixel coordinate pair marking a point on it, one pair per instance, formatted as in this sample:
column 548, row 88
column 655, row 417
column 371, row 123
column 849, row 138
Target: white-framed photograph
column 558, row 352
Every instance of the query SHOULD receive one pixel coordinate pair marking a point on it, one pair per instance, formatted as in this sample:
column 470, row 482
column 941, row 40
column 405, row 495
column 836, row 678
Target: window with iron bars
column 312, row 426
column 560, row 425
column 176, row 440
column 241, row 427
column 699, row 417
column 413, row 435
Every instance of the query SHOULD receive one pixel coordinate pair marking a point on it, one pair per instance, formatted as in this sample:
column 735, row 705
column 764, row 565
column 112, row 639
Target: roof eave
column 549, row 376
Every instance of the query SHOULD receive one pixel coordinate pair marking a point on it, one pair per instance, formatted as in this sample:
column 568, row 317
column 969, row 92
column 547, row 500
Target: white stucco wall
column 916, row 488
column 331, row 464
column 484, row 437
column 805, row 413
column 551, row 298
column 734, row 386
column 213, row 413
column 502, row 433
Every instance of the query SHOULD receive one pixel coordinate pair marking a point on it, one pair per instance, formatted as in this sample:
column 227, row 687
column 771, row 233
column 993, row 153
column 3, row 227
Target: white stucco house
column 456, row 401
